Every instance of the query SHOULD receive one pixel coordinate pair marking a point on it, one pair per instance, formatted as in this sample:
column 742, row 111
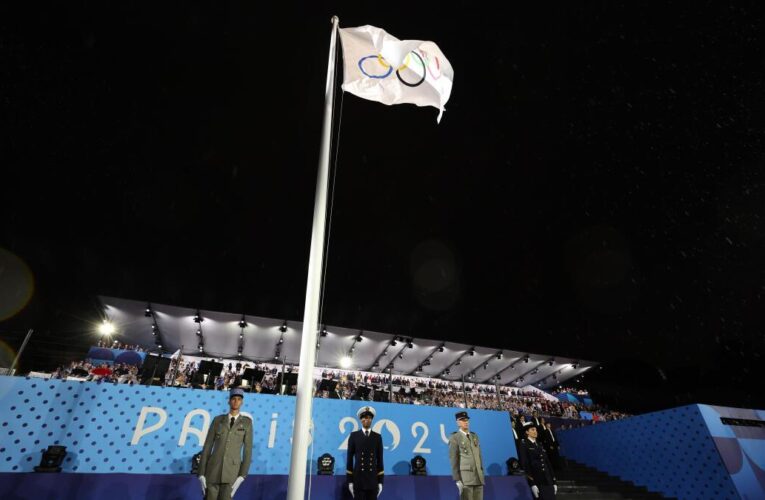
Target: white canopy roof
column 220, row 334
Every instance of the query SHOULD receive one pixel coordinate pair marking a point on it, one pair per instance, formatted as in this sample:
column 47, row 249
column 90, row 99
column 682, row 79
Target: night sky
column 596, row 188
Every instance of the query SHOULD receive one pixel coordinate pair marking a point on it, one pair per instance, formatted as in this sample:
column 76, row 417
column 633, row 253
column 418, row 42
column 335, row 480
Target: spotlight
column 376, row 365
column 52, row 459
column 326, row 465
column 242, row 323
column 526, row 358
column 283, row 328
column 323, row 332
column 393, row 343
column 471, row 352
column 486, row 366
column 239, row 353
column 458, row 363
column 441, row 349
column 281, row 341
column 198, row 318
column 106, row 328
column 241, row 336
column 359, row 338
column 385, row 352
column 201, row 347
column 447, row 372
column 199, row 332
column 345, row 362
column 159, row 346
column 401, row 356
column 418, row 466
column 409, row 343
column 574, row 365
column 500, row 355
column 147, row 312
column 551, row 362
column 514, row 467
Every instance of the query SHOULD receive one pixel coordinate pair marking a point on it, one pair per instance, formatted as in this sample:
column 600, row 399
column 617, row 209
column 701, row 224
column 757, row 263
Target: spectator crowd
column 265, row 378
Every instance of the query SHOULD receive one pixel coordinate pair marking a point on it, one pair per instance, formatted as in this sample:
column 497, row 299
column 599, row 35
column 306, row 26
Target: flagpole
column 301, row 432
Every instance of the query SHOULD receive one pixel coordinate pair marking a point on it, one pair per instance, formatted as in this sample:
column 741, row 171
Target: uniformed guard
column 536, row 464
column 226, row 456
column 364, row 467
column 465, row 458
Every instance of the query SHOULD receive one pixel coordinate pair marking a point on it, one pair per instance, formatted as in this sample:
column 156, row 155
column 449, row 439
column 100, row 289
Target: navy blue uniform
column 364, row 465
column 536, row 464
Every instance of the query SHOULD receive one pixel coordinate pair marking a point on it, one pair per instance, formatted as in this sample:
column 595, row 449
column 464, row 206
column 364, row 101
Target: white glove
column 460, row 487
column 350, row 488
column 203, row 482
column 379, row 489
column 555, row 489
column 535, row 491
column 236, row 485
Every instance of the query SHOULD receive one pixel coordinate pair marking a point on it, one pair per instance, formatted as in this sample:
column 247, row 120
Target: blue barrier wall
column 669, row 452
column 742, row 447
column 135, row 429
column 98, row 355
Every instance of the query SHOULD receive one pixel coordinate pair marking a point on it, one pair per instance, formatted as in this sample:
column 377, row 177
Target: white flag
column 382, row 68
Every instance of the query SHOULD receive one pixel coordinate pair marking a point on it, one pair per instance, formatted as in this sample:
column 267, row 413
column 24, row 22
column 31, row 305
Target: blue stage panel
column 153, row 430
column 26, row 486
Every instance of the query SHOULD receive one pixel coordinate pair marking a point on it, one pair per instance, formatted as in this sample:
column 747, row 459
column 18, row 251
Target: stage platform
column 22, row 486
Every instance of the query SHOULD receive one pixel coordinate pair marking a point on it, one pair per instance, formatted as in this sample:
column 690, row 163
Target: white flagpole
column 301, row 432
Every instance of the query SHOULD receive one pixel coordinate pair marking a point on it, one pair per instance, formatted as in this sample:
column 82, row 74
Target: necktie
column 232, row 422
column 366, row 433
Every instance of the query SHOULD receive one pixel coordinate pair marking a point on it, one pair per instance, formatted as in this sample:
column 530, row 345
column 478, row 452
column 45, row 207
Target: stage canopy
column 263, row 340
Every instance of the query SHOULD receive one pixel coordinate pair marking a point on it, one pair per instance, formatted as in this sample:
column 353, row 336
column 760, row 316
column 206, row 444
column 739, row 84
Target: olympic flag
column 382, row 68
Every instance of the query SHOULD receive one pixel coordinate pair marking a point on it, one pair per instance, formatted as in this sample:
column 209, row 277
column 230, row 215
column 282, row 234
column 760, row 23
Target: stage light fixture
column 409, row 343
column 458, row 363
column 345, row 362
column 486, row 366
column 401, row 356
column 393, row 343
column 198, row 318
column 526, row 358
column 574, row 365
column 551, row 362
column 500, row 355
column 447, row 372
column 323, row 332
column 242, row 322
column 441, row 349
column 147, row 312
column 281, row 341
column 419, row 466
column 359, row 337
column 514, row 467
column 283, row 328
column 201, row 348
column 326, row 465
column 52, row 459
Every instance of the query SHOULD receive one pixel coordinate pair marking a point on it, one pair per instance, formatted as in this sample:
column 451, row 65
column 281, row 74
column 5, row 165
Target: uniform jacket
column 465, row 458
column 227, row 453
column 364, row 464
column 535, row 463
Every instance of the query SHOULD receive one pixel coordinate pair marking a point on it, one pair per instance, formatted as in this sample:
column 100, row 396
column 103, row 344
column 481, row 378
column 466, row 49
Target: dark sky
column 595, row 188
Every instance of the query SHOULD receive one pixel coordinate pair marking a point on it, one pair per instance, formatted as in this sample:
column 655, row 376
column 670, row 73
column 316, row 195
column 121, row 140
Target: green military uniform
column 466, row 462
column 226, row 455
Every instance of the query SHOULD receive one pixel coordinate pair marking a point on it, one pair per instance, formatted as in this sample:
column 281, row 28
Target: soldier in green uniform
column 465, row 458
column 227, row 452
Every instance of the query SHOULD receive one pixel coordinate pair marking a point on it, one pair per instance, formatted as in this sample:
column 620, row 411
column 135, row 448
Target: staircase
column 579, row 482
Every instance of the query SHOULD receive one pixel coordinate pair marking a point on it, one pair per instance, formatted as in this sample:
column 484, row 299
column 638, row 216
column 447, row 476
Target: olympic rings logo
column 380, row 70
